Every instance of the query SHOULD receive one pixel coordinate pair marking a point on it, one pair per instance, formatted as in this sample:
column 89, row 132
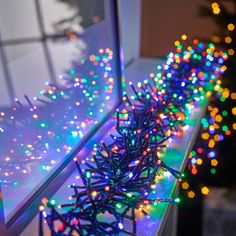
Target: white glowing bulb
column 120, row 225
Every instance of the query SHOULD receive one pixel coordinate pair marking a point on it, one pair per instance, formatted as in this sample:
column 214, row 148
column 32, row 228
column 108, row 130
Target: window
column 72, row 46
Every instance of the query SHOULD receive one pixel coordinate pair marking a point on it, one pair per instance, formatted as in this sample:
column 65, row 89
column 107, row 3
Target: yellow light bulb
column 185, row 185
column 230, row 27
column 214, row 162
column 224, row 68
column 228, row 39
column 177, row 43
column 199, row 161
column 214, row 5
column 205, row 136
column 216, row 10
column 218, row 118
column 208, row 93
column 234, row 111
column 234, row 126
column 205, row 190
column 191, row 194
column 225, row 94
column 211, row 143
column 184, row 37
column 94, row 194
column 233, row 96
column 231, row 52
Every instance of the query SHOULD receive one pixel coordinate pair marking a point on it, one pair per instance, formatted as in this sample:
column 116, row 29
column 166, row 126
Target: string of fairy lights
column 219, row 122
column 119, row 180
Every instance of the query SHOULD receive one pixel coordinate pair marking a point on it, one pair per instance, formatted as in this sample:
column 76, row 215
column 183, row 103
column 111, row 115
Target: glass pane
column 63, row 53
column 70, row 78
column 23, row 61
column 61, row 11
column 18, row 20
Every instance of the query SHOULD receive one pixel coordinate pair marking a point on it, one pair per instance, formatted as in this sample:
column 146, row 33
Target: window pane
column 69, row 13
column 84, row 67
column 28, row 69
column 18, row 19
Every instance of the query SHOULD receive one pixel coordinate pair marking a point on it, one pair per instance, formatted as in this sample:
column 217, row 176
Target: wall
column 164, row 21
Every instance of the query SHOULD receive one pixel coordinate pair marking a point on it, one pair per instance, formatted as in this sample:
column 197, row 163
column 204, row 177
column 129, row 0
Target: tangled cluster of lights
column 45, row 130
column 120, row 178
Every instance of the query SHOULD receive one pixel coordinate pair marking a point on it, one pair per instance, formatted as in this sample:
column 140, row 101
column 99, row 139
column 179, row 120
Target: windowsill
column 175, row 157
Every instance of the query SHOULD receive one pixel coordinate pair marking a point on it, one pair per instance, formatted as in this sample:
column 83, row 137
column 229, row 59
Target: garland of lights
column 120, row 177
column 219, row 122
column 216, row 125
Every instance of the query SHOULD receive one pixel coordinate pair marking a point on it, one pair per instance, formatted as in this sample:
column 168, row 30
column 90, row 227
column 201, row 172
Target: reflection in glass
column 63, row 84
